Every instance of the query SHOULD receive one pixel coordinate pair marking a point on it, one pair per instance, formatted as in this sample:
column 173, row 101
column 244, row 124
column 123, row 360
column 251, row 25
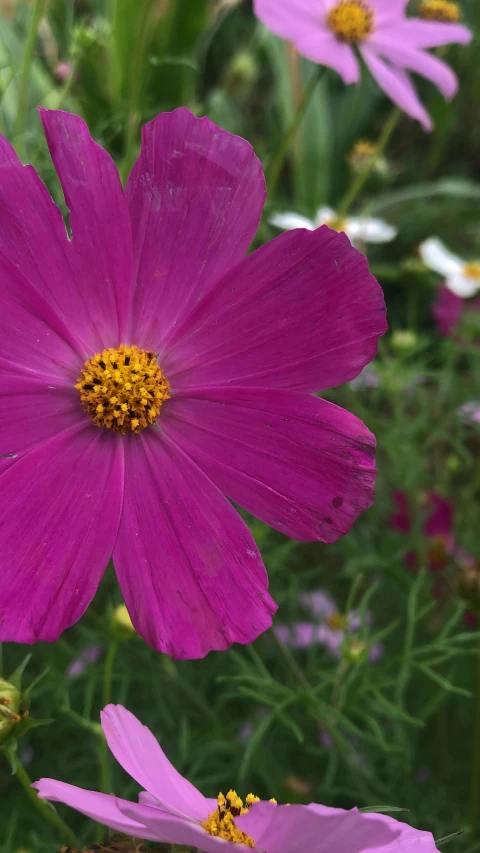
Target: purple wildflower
column 391, row 45
column 88, row 655
column 171, row 810
column 150, row 372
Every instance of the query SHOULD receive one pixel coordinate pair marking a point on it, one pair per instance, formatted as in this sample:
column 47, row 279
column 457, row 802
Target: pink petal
column 447, row 311
column 401, row 520
column 195, row 196
column 138, row 751
column 189, row 569
column 103, row 808
column 290, row 19
column 440, row 517
column 32, row 411
column 34, row 340
column 397, row 85
column 302, row 312
column 441, row 75
column 58, row 522
column 322, row 47
column 169, row 829
column 101, row 234
column 388, row 12
column 300, row 464
column 416, row 33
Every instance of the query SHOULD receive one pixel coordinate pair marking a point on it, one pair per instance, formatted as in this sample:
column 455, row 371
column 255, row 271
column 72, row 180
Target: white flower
column 461, row 277
column 360, row 229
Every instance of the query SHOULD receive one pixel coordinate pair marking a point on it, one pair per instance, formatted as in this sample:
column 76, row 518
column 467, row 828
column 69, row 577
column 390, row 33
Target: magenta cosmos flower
column 173, row 811
column 149, row 369
column 329, row 31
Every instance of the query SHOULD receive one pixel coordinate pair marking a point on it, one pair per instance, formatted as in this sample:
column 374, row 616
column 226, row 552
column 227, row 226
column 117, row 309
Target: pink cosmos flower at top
column 171, row 810
column 150, row 371
column 391, row 45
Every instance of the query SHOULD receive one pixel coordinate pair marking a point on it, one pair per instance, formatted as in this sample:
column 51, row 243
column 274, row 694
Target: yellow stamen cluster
column 337, row 622
column 440, row 10
column 123, row 388
column 351, row 20
column 361, row 153
column 472, row 269
column 221, row 822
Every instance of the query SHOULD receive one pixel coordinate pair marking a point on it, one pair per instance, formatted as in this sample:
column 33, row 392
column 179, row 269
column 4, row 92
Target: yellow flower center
column 472, row 269
column 337, row 622
column 440, row 10
column 123, row 388
column 351, row 20
column 221, row 822
column 336, row 223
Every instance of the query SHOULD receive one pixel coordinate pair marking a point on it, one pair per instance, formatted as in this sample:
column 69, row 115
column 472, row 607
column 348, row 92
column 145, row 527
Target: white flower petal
column 289, row 221
column 370, row 230
column 437, row 257
column 324, row 215
column 462, row 285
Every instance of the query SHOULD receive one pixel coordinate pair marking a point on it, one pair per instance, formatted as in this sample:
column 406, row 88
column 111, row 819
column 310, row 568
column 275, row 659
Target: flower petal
column 323, row 48
column 431, row 67
column 58, row 522
column 462, row 285
column 301, row 312
column 294, row 828
column 447, row 311
column 318, row 602
column 437, row 257
column 34, row 340
column 369, row 230
column 138, row 751
column 300, row 464
column 398, row 86
column 415, row 33
column 290, row 19
column 103, row 808
column 193, row 183
column 101, row 233
column 32, row 411
column 189, row 569
column 289, row 221
column 161, row 826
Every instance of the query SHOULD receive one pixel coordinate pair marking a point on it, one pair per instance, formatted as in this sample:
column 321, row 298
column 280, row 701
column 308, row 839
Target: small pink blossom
column 89, row 655
column 330, row 32
column 172, row 811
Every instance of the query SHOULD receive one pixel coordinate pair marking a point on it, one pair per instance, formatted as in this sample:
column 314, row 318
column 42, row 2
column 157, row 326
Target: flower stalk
column 37, row 13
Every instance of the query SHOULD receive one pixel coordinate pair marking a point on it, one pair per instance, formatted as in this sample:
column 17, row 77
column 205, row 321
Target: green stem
column 67, row 88
column 44, row 807
column 107, row 695
column 38, row 10
column 475, row 785
column 363, row 176
column 292, row 664
column 273, row 171
column 133, row 116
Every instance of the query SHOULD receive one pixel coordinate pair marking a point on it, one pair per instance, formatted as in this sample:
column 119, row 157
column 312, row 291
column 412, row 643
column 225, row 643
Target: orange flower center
column 123, row 388
column 351, row 20
column 472, row 269
column 440, row 10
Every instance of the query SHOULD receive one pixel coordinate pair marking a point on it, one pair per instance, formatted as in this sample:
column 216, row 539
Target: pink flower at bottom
column 172, row 811
column 390, row 44
column 150, row 372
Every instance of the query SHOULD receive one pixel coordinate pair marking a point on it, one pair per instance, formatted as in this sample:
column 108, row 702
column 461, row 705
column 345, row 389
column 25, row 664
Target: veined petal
column 300, row 464
column 204, row 587
column 139, row 753
column 397, row 85
column 103, row 808
column 57, row 531
column 289, row 221
column 194, row 184
column 302, row 312
column 438, row 258
column 101, row 235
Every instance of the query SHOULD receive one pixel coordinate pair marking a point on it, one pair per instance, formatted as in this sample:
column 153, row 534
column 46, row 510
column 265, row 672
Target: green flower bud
column 403, row 340
column 10, row 709
column 121, row 622
column 355, row 651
